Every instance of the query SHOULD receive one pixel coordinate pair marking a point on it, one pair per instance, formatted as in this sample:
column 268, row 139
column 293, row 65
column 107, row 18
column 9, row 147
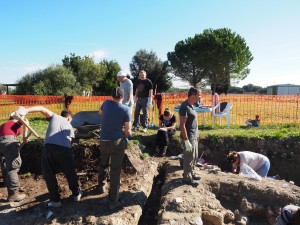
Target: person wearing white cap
column 127, row 86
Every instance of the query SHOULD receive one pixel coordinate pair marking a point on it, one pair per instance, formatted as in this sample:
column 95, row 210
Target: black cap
column 117, row 92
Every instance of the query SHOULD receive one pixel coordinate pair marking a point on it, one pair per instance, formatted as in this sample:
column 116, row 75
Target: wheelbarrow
column 86, row 124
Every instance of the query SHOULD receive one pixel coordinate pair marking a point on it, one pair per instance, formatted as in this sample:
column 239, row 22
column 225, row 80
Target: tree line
column 214, row 58
column 246, row 89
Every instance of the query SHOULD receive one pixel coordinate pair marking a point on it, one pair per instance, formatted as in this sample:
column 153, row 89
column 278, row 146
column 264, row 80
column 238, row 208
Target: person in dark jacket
column 167, row 128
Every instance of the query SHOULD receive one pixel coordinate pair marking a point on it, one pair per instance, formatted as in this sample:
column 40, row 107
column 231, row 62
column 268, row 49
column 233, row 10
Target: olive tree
column 87, row 72
column 157, row 70
column 54, row 80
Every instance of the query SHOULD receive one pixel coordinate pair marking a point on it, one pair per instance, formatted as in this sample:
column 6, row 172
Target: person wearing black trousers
column 167, row 128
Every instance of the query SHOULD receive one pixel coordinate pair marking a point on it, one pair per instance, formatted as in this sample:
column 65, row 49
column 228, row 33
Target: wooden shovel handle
column 29, row 128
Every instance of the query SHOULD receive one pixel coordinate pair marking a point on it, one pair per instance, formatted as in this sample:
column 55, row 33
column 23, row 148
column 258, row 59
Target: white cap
column 19, row 113
column 121, row 74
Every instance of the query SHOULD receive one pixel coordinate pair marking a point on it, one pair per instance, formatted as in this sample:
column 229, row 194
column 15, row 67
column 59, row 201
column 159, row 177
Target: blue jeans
column 264, row 169
column 141, row 104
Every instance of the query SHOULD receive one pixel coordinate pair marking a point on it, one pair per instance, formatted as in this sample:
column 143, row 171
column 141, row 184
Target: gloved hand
column 149, row 103
column 188, row 146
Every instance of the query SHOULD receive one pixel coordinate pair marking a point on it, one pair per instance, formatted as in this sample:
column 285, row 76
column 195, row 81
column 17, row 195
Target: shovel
column 29, row 128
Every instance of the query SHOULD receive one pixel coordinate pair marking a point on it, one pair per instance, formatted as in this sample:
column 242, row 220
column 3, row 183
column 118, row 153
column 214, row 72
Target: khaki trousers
column 190, row 158
column 112, row 152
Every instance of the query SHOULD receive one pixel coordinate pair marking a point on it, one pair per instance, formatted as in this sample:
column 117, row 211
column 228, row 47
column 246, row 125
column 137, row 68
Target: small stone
column 198, row 221
column 178, row 200
column 91, row 219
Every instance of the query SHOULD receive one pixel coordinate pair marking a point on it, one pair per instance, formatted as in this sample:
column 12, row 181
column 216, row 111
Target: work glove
column 188, row 146
column 149, row 103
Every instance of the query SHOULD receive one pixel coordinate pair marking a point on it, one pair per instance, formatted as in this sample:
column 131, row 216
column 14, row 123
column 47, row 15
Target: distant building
column 283, row 89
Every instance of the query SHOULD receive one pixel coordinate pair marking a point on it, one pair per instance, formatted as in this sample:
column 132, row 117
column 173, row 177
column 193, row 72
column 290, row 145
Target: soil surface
column 151, row 192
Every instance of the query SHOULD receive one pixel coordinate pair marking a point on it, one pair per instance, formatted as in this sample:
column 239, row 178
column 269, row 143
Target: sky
column 37, row 34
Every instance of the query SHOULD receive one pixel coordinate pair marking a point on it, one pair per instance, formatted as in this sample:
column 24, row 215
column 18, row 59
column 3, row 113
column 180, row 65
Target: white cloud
column 98, row 54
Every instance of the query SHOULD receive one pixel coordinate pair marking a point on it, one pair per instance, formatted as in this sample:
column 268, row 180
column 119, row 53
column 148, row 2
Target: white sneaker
column 78, row 197
column 145, row 130
column 53, row 204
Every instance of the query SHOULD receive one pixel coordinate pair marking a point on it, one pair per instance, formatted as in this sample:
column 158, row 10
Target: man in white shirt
column 127, row 86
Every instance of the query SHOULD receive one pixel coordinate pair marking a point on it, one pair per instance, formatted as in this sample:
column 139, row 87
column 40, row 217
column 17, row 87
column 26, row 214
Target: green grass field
column 278, row 132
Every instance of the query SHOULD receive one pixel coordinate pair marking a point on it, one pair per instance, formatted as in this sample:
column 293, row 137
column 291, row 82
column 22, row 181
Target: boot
column 15, row 196
column 164, row 151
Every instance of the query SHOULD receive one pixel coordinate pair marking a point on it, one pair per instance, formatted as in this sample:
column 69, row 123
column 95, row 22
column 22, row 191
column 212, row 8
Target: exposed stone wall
column 284, row 154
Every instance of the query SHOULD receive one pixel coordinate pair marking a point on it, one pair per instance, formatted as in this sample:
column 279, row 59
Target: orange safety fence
column 272, row 109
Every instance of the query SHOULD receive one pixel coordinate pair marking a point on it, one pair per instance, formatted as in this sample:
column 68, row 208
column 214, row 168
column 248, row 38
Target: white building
column 283, row 89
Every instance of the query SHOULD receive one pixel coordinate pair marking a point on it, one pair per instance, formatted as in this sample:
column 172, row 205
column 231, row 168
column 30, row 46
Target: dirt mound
column 136, row 182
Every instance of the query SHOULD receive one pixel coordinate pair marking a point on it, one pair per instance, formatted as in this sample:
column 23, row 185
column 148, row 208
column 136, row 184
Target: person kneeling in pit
column 167, row 127
column 258, row 162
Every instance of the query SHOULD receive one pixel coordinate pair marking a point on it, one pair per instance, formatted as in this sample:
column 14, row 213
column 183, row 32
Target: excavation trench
column 223, row 198
column 152, row 206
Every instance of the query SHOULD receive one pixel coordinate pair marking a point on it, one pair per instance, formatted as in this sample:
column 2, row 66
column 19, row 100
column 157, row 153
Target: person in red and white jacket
column 10, row 150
